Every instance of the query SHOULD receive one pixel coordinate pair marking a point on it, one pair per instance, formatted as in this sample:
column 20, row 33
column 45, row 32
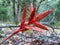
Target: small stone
column 27, row 44
column 9, row 44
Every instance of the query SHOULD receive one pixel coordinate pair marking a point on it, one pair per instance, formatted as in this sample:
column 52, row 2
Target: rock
column 27, row 44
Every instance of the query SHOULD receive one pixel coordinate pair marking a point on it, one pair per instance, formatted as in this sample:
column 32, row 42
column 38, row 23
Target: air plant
column 33, row 19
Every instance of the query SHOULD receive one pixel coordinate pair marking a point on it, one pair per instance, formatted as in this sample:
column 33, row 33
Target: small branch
column 39, row 4
column 9, row 26
column 19, row 26
column 50, row 6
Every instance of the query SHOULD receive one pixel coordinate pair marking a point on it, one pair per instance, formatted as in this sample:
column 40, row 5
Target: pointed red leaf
column 40, row 25
column 32, row 15
column 34, row 28
column 42, row 15
column 24, row 17
column 31, row 8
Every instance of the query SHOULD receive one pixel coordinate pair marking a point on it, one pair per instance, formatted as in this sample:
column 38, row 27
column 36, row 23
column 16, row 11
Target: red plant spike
column 33, row 19
column 23, row 18
column 31, row 8
column 42, row 15
column 40, row 25
column 32, row 15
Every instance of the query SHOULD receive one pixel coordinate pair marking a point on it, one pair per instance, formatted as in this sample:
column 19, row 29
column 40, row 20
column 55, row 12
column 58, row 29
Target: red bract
column 23, row 18
column 33, row 19
column 33, row 13
column 40, row 25
column 31, row 8
column 42, row 15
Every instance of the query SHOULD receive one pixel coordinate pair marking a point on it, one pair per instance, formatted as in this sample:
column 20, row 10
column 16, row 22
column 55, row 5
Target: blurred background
column 11, row 15
column 11, row 10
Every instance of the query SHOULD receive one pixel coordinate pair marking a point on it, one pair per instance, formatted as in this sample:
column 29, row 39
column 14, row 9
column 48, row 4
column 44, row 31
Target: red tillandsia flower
column 31, row 20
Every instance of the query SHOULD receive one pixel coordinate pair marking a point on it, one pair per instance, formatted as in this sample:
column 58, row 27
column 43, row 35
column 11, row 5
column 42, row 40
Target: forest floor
column 32, row 37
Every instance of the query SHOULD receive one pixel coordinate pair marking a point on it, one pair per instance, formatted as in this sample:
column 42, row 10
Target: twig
column 9, row 26
column 19, row 26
